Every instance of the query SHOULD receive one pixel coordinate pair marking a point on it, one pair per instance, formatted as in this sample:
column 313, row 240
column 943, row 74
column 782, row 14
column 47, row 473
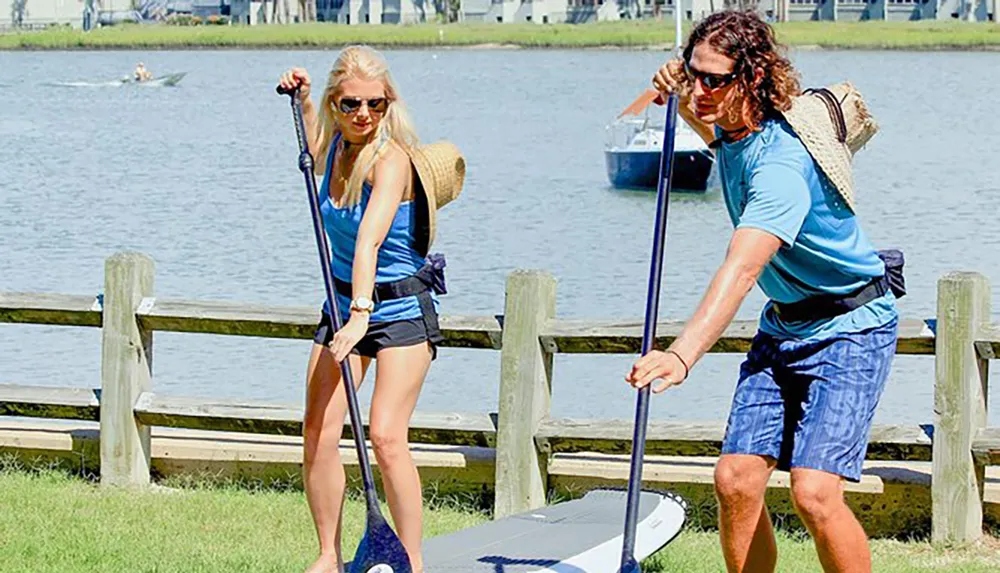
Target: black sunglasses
column 353, row 104
column 710, row 81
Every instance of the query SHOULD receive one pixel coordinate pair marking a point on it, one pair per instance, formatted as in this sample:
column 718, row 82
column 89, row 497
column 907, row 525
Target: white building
column 380, row 11
column 40, row 13
column 892, row 10
column 804, row 10
column 33, row 14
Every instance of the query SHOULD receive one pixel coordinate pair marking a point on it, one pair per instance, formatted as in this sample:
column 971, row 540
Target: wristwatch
column 364, row 304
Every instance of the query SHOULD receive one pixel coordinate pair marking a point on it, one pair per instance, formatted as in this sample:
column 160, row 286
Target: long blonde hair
column 363, row 62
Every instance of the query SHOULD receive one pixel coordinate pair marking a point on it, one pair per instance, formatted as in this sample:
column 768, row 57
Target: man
column 815, row 371
column 141, row 74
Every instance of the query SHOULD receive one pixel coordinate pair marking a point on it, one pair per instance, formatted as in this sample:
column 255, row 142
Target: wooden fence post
column 525, row 392
column 126, row 363
column 960, row 390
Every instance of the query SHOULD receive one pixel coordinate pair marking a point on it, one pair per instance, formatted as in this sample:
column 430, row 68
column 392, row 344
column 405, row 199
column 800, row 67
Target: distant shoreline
column 630, row 35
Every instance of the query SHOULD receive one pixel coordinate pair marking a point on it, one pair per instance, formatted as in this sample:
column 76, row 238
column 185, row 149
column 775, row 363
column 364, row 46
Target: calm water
column 203, row 177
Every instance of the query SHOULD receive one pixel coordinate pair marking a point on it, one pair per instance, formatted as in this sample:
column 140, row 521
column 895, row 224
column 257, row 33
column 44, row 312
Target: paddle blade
column 380, row 550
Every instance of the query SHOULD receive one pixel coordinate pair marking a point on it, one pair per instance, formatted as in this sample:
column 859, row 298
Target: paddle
column 380, row 550
column 628, row 562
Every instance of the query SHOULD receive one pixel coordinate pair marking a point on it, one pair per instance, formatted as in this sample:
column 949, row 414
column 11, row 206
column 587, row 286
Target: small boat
column 167, row 80
column 632, row 153
column 162, row 81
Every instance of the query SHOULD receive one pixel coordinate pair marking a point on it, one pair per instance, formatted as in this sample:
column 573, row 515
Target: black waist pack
column 828, row 306
column 429, row 277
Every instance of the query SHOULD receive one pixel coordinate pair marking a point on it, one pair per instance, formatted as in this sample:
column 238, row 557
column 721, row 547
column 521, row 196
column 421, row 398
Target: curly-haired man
column 812, row 379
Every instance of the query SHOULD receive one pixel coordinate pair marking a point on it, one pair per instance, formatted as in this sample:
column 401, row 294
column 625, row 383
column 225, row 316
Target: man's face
column 714, row 82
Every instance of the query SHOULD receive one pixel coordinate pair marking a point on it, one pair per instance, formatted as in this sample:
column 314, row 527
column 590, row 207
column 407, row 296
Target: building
column 539, row 11
column 892, row 10
column 41, row 13
column 350, row 11
column 580, row 11
column 33, row 14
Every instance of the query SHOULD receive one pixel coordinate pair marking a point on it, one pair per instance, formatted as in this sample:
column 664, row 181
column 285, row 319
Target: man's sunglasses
column 710, row 81
column 353, row 104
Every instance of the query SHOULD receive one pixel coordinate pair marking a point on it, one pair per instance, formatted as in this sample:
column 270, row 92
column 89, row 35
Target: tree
column 17, row 12
column 742, row 4
column 307, row 10
column 279, row 17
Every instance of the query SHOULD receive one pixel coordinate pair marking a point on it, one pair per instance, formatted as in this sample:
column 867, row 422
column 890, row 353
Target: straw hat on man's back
column 833, row 124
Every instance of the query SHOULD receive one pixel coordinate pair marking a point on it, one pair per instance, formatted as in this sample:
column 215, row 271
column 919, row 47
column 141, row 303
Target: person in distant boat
column 141, row 74
column 815, row 371
column 378, row 199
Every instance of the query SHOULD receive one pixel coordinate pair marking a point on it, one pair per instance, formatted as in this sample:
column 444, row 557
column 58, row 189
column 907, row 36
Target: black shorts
column 381, row 335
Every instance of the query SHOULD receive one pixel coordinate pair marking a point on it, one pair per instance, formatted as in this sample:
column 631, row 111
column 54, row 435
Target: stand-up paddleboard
column 579, row 536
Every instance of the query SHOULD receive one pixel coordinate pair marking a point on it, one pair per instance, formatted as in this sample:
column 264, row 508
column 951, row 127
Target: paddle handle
column 306, row 166
column 628, row 562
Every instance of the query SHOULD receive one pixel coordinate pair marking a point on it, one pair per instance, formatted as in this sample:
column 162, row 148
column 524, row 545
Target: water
column 203, row 177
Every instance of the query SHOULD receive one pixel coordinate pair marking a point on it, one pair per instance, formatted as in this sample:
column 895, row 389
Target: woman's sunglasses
column 353, row 104
column 710, row 81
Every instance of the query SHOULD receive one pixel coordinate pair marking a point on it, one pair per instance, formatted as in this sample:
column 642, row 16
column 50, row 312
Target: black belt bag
column 828, row 306
column 420, row 284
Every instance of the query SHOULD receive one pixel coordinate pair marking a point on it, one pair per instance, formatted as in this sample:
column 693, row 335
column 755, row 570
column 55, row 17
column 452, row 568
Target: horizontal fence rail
column 887, row 442
column 557, row 336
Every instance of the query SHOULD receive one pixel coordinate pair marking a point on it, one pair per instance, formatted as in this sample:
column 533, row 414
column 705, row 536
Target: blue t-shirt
column 770, row 182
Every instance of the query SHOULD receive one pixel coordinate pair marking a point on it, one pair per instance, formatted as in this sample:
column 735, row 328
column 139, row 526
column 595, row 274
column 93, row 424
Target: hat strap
column 833, row 108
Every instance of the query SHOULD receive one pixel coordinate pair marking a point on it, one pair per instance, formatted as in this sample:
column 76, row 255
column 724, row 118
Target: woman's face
column 359, row 105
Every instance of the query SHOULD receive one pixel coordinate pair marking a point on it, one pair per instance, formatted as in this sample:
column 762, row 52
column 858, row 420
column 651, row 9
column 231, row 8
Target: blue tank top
column 397, row 257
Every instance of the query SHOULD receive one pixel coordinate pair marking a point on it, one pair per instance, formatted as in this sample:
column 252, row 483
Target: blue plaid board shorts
column 811, row 404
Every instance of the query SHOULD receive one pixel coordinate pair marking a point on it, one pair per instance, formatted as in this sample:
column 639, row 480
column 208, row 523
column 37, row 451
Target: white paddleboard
column 579, row 536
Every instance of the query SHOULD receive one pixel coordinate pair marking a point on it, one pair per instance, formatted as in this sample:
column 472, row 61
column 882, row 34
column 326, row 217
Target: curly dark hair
column 750, row 42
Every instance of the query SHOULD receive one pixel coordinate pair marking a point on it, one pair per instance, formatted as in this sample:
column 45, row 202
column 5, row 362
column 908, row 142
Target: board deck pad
column 579, row 536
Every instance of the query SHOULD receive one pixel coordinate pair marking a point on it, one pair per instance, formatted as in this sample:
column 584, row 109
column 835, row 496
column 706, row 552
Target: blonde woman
column 378, row 197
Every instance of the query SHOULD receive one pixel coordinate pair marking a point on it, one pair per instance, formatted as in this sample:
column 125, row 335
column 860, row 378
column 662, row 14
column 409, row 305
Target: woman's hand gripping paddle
column 380, row 550
column 629, row 563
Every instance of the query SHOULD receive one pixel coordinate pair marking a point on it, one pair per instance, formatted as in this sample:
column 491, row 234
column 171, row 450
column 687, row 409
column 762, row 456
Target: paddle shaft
column 306, row 166
column 628, row 563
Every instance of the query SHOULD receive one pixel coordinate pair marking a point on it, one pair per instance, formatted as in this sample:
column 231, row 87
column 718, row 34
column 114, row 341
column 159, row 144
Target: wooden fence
column 523, row 436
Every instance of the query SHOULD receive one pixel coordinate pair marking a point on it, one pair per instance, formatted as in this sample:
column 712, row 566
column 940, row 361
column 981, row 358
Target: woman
column 378, row 197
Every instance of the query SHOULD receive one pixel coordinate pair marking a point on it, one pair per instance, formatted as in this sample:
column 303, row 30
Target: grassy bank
column 53, row 522
column 648, row 34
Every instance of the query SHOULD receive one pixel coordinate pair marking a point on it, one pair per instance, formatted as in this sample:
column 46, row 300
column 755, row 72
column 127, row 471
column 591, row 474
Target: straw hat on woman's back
column 440, row 174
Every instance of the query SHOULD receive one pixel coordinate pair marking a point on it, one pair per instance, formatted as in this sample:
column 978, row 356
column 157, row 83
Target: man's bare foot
column 326, row 563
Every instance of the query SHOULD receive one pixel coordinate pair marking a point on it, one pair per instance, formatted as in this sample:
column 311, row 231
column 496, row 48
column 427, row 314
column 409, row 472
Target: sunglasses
column 710, row 81
column 353, row 104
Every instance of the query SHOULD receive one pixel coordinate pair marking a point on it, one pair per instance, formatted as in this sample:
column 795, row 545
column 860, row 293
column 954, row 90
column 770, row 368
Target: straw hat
column 440, row 169
column 833, row 124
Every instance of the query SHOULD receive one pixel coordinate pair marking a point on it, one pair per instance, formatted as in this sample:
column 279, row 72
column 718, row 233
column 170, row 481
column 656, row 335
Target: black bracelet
column 686, row 369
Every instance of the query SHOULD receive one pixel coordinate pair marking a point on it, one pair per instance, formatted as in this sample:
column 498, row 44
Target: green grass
column 859, row 35
column 54, row 522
